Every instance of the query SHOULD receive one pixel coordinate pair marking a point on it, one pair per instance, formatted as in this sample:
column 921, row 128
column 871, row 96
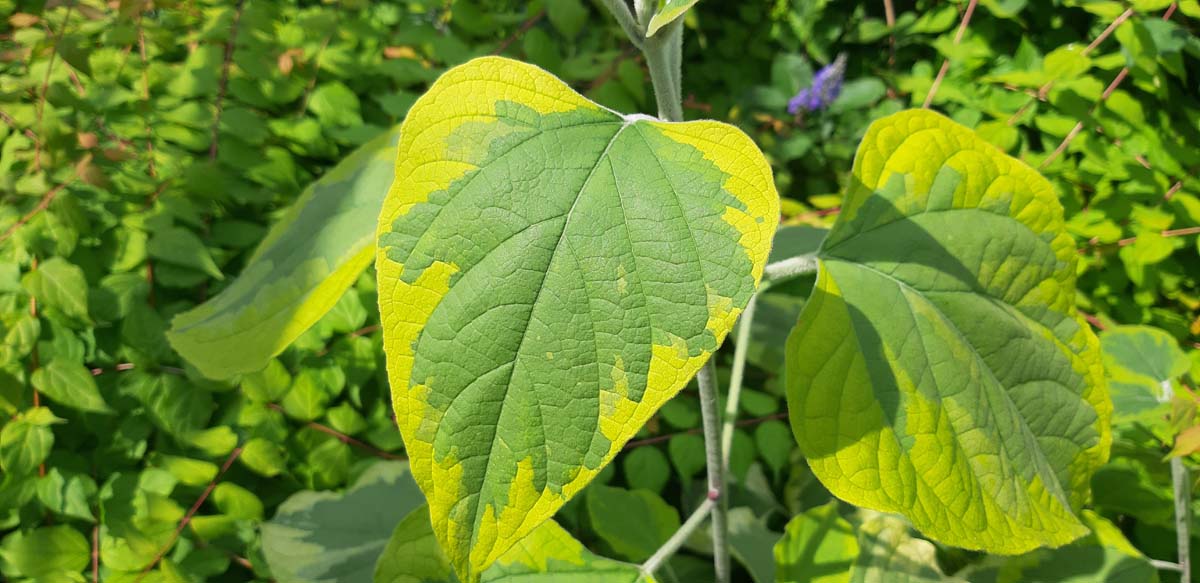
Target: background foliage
column 148, row 146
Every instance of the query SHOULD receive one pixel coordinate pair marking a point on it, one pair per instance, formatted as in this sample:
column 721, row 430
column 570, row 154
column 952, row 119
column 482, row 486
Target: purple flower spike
column 826, row 86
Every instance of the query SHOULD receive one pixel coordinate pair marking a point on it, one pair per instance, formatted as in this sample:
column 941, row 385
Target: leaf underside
column 550, row 273
column 297, row 274
column 939, row 369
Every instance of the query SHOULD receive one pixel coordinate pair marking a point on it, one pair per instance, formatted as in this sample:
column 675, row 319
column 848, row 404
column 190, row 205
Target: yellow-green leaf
column 550, row 273
column 298, row 273
column 668, row 12
column 940, row 369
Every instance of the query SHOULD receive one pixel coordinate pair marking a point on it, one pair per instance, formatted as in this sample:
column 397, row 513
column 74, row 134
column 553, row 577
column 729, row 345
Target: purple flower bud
column 826, row 86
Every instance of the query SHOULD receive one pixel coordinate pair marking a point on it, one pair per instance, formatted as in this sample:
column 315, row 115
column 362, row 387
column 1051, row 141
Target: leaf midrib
column 479, row 507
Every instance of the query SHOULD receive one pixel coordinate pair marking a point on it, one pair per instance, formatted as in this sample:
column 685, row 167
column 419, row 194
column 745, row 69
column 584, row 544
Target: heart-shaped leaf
column 940, row 369
column 550, row 273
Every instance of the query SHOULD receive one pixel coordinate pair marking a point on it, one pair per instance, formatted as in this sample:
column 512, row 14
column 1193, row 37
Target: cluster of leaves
column 148, row 146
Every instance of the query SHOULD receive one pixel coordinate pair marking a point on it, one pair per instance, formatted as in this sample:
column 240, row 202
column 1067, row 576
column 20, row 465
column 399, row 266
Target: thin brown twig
column 962, row 29
column 141, row 39
column 223, row 84
column 45, row 201
column 312, row 82
column 355, row 334
column 35, row 359
column 524, row 28
column 1108, row 91
column 13, row 124
column 1112, row 27
column 1044, row 90
column 611, row 70
column 889, row 15
column 96, row 553
column 346, row 439
column 187, row 518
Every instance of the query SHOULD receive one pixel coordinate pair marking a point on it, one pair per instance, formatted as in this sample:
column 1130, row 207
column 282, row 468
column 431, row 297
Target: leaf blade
column 466, row 314
column 947, row 242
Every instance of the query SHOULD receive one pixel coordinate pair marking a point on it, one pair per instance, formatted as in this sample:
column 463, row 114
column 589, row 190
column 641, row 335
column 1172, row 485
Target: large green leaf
column 940, row 369
column 1138, row 360
column 299, row 271
column 550, row 273
column 549, row 554
column 323, row 537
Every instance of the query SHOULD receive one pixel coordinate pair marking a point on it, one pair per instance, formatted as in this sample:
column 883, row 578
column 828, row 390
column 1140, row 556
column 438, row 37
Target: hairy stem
column 1183, row 499
column 735, row 381
column 664, row 552
column 789, row 268
column 664, row 57
column 663, row 53
column 710, row 418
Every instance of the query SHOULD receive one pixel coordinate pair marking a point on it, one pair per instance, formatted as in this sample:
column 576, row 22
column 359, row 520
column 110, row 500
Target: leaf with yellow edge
column 297, row 274
column 550, row 273
column 940, row 369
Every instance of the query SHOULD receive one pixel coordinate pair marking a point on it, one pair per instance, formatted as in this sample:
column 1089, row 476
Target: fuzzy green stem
column 735, row 381
column 710, row 419
column 676, row 541
column 789, row 268
column 1181, row 487
column 663, row 53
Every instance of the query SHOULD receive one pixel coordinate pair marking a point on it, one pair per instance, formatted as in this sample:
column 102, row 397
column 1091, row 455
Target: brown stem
column 525, row 26
column 346, row 439
column 962, row 29
column 187, row 518
column 224, row 82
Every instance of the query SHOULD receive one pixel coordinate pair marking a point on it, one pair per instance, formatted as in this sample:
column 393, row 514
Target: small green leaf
column 335, row 105
column 568, row 16
column 59, row 285
column 941, row 351
column 331, row 537
column 308, row 259
column 774, row 442
column 26, row 441
column 647, row 468
column 180, row 246
column 752, row 544
column 67, row 495
column 47, row 553
column 71, row 385
column 687, row 455
column 238, row 502
column 264, row 457
column 635, row 523
column 818, row 546
column 668, row 12
column 1138, row 360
